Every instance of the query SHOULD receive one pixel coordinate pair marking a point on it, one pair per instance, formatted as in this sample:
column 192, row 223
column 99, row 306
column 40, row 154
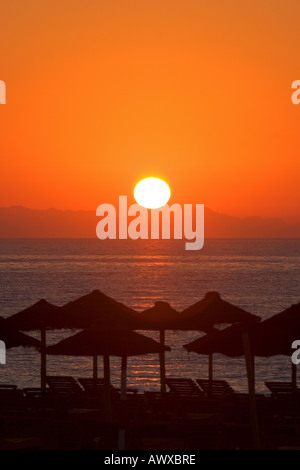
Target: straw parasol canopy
column 202, row 316
column 160, row 316
column 96, row 306
column 41, row 316
column 210, row 311
column 271, row 337
column 100, row 341
column 276, row 334
column 99, row 307
column 213, row 310
column 80, row 313
column 14, row 338
column 227, row 341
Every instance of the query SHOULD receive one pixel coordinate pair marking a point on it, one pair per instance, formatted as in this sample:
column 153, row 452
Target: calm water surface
column 261, row 276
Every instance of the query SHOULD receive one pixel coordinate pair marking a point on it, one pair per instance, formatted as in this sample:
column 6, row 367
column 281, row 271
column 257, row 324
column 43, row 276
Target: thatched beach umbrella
column 271, row 337
column 113, row 341
column 39, row 316
column 78, row 314
column 162, row 313
column 14, row 338
column 42, row 314
column 213, row 310
column 276, row 335
column 228, row 341
column 96, row 306
column 202, row 316
column 102, row 340
column 210, row 311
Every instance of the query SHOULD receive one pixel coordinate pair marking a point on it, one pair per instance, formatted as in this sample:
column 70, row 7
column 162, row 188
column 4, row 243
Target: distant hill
column 20, row 222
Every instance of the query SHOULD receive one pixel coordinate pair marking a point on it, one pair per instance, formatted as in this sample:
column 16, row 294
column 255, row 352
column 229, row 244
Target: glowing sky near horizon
column 100, row 94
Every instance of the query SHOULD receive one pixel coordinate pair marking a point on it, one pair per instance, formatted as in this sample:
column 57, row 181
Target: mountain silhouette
column 21, row 222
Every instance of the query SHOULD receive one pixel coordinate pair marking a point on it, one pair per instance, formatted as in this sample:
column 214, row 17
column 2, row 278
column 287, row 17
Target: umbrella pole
column 43, row 359
column 95, row 371
column 251, row 391
column 162, row 362
column 210, row 373
column 121, row 445
column 107, row 391
column 253, row 368
column 123, row 377
column 294, row 375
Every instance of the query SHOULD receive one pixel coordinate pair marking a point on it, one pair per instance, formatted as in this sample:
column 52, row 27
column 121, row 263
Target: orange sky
column 103, row 93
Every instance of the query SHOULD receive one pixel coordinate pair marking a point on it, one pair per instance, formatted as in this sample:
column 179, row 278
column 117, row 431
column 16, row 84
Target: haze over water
column 261, row 276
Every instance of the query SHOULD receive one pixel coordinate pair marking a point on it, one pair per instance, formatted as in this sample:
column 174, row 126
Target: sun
column 152, row 193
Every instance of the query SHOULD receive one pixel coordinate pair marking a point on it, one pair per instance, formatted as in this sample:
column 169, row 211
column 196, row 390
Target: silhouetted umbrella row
column 265, row 338
column 88, row 309
column 203, row 315
column 109, row 326
column 80, row 313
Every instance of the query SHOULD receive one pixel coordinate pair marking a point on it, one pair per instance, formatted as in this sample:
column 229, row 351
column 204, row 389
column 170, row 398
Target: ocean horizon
column 261, row 276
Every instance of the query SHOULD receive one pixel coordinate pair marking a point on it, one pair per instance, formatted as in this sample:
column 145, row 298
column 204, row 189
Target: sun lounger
column 8, row 387
column 282, row 389
column 216, row 388
column 184, row 388
column 96, row 389
column 90, row 385
column 64, row 385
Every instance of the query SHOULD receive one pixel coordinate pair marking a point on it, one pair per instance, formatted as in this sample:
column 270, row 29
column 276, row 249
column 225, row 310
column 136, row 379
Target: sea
column 261, row 276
